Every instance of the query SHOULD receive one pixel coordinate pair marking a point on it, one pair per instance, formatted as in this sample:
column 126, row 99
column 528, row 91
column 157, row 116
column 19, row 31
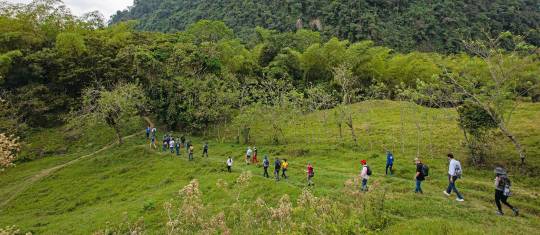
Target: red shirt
column 310, row 169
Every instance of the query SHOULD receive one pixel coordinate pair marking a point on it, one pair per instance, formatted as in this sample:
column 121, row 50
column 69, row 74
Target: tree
column 114, row 107
column 493, row 93
column 9, row 147
column 476, row 123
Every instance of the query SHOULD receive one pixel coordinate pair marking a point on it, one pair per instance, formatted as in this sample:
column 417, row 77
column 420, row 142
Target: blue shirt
column 389, row 159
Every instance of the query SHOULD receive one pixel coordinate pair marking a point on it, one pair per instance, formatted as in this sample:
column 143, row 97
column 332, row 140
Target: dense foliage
column 403, row 25
column 205, row 75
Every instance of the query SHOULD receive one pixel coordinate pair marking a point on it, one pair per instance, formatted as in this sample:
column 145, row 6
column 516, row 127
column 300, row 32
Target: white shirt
column 364, row 174
column 249, row 151
column 452, row 167
column 229, row 162
column 171, row 143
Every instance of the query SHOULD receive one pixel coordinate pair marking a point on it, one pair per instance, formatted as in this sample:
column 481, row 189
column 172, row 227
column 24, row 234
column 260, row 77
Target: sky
column 79, row 7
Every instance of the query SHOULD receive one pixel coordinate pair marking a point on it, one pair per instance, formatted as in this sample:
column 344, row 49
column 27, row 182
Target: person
column 148, row 132
column 284, row 166
column 419, row 176
column 186, row 145
column 364, row 175
column 310, row 174
column 266, row 164
column 502, row 191
column 191, row 148
column 454, row 173
column 171, row 145
column 205, row 149
column 153, row 142
column 165, row 144
column 277, row 167
column 177, row 147
column 248, row 155
column 389, row 161
column 229, row 164
column 254, row 161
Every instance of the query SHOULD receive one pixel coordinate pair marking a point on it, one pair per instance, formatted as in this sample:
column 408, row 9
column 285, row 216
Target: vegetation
column 402, row 25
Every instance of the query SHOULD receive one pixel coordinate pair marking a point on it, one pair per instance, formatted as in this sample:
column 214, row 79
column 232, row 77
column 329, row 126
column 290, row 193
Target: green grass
column 133, row 179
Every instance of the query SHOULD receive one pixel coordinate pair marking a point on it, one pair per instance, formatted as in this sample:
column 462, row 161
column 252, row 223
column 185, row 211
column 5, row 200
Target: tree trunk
column 350, row 124
column 118, row 135
column 516, row 143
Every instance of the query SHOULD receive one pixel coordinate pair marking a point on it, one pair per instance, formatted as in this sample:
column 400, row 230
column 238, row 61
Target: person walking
column 186, row 145
column 284, row 167
column 454, row 173
column 502, row 191
column 153, row 142
column 277, row 167
column 364, row 175
column 148, row 129
column 254, row 161
column 419, row 176
column 205, row 149
column 171, row 145
column 248, row 155
column 165, row 144
column 177, row 147
column 389, row 162
column 191, row 149
column 229, row 164
column 310, row 174
column 266, row 164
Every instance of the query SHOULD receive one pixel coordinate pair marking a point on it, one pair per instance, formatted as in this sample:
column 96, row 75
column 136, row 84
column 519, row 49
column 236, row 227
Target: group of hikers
column 281, row 166
column 173, row 144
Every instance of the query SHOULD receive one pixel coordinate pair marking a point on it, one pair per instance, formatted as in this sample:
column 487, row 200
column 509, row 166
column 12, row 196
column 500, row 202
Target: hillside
column 402, row 25
column 133, row 181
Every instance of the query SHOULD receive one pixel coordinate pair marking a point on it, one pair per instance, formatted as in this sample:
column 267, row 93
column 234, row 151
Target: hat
column 416, row 159
column 363, row 162
column 500, row 171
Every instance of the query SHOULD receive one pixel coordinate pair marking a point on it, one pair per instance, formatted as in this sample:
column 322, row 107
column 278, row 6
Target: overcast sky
column 79, row 7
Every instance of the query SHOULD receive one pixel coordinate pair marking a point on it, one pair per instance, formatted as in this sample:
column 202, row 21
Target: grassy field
column 115, row 188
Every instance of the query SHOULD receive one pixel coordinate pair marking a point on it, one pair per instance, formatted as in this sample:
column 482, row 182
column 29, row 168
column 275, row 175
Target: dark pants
column 418, row 186
column 190, row 156
column 276, row 173
column 266, row 172
column 284, row 173
column 147, row 135
column 205, row 153
column 364, row 185
column 177, row 151
column 172, row 149
column 452, row 186
column 389, row 166
column 499, row 197
column 229, row 168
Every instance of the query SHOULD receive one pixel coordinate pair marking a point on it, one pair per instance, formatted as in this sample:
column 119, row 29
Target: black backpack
column 369, row 170
column 425, row 170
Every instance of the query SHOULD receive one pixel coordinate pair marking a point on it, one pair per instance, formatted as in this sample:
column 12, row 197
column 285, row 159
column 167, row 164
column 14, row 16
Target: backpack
column 369, row 170
column 457, row 170
column 506, row 186
column 266, row 163
column 425, row 170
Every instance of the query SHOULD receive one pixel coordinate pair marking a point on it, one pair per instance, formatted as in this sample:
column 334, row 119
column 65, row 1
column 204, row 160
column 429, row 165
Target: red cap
column 363, row 162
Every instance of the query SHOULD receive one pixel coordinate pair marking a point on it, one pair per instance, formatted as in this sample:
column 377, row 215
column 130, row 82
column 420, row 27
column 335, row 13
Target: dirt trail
column 47, row 172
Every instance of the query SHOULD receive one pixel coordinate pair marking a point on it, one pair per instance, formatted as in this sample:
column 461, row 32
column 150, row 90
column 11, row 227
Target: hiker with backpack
column 421, row 173
column 177, row 147
column 229, row 164
column 389, row 161
column 254, row 159
column 190, row 150
column 502, row 191
column 277, row 168
column 171, row 145
column 205, row 150
column 148, row 132
column 266, row 164
column 284, row 167
column 454, row 173
column 310, row 174
column 248, row 155
column 165, row 144
column 364, row 175
column 153, row 141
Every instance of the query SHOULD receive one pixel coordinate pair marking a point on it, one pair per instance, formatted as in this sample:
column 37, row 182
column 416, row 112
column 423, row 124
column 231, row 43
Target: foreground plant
column 9, row 147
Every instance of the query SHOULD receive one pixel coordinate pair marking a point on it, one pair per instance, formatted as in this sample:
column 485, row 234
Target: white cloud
column 79, row 7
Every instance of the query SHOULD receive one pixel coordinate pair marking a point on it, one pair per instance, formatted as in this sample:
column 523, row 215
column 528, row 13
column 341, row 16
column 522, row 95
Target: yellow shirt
column 284, row 165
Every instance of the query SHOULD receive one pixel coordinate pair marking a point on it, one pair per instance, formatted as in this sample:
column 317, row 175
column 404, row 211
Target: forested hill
column 404, row 25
